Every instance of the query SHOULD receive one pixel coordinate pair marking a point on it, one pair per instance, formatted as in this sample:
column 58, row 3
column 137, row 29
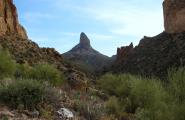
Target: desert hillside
column 142, row 82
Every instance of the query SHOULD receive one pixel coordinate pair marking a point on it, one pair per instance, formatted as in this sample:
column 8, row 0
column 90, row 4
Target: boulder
column 65, row 114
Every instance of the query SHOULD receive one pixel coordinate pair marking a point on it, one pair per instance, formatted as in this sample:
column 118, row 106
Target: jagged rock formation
column 154, row 55
column 123, row 52
column 85, row 57
column 174, row 16
column 9, row 23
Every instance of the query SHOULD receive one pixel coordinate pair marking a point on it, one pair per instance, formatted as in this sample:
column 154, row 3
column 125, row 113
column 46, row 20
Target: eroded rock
column 174, row 16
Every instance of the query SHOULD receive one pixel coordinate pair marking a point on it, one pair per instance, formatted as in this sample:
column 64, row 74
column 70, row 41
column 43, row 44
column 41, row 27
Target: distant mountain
column 85, row 57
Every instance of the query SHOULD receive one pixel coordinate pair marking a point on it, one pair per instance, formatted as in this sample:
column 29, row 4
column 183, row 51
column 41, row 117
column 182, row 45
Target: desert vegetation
column 29, row 88
column 138, row 98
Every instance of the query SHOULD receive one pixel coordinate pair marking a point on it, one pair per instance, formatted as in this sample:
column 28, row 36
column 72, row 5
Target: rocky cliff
column 174, row 16
column 85, row 57
column 9, row 23
column 155, row 55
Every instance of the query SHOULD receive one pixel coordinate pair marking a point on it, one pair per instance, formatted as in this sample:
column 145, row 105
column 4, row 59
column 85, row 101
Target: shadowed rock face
column 174, row 16
column 154, row 55
column 123, row 52
column 9, row 23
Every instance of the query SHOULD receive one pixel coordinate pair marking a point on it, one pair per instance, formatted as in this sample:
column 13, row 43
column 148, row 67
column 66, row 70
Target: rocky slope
column 155, row 55
column 84, row 56
column 14, row 38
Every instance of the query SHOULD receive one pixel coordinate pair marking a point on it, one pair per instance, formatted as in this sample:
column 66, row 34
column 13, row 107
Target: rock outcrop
column 9, row 23
column 174, row 16
column 85, row 57
column 123, row 52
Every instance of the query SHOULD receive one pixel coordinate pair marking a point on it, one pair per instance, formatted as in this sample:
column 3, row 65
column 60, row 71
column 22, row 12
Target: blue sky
column 108, row 23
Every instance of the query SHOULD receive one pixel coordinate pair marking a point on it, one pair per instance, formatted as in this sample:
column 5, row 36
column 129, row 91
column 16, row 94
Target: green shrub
column 135, row 95
column 149, row 98
column 176, row 89
column 7, row 65
column 117, row 85
column 49, row 73
column 23, row 71
column 28, row 93
column 41, row 72
column 177, row 84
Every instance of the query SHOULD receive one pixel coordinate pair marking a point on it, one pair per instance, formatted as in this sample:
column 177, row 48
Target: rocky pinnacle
column 84, row 40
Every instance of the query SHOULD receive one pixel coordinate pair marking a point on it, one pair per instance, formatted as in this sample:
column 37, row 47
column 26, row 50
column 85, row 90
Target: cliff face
column 9, row 23
column 174, row 16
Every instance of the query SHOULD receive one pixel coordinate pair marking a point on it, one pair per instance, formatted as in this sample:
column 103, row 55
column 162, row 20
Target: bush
column 41, row 72
column 28, row 93
column 149, row 98
column 176, row 90
column 90, row 111
column 135, row 95
column 177, row 84
column 7, row 65
column 23, row 71
column 112, row 105
column 49, row 73
column 116, row 85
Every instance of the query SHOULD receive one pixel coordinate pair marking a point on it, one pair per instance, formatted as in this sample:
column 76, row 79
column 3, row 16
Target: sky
column 109, row 24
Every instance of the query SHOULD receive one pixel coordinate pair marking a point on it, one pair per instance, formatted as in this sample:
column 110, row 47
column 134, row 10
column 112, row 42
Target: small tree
column 7, row 65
